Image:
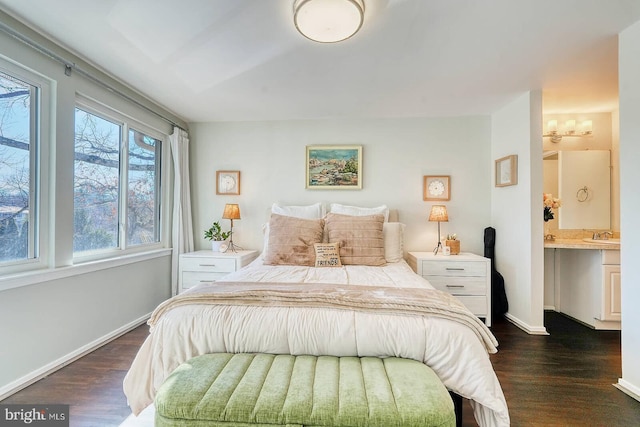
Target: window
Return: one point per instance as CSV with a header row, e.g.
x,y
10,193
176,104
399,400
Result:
x,y
19,109
142,193
116,183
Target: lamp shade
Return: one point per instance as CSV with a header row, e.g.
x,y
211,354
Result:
x,y
438,213
328,21
231,211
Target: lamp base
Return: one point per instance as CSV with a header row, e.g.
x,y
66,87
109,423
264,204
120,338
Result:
x,y
438,248
233,247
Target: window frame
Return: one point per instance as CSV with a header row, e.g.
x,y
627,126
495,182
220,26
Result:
x,y
127,122
41,112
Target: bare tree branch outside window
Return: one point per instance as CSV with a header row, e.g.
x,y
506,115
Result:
x,y
15,181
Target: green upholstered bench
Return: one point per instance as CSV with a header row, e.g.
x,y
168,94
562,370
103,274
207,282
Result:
x,y
223,389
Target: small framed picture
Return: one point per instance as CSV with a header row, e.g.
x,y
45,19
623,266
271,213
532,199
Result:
x,y
507,171
436,187
228,182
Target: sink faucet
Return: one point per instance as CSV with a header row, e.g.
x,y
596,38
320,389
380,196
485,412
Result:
x,y
602,236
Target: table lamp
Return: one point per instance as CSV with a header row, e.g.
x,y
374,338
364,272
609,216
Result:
x,y
438,213
231,212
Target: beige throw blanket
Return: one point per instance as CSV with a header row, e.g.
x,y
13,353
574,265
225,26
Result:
x,y
381,300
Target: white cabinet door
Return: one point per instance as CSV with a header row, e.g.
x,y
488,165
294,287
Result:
x,y
611,293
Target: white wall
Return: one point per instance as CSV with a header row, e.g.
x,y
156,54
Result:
x,y
615,171
629,84
517,211
69,309
46,324
396,155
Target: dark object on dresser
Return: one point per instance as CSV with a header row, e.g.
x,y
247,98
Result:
x,y
499,303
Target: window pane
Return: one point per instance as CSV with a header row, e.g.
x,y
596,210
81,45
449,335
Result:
x,y
96,182
142,191
17,98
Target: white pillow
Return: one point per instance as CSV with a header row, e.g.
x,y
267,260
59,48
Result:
x,y
358,211
393,234
265,238
315,211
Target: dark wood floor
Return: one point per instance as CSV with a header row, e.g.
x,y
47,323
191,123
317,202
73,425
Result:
x,y
564,379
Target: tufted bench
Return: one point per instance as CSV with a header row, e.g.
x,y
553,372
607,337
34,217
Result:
x,y
224,389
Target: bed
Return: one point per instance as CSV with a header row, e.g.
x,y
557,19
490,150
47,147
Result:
x,y
370,304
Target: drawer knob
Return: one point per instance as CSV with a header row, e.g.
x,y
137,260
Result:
x,y
455,269
207,265
455,286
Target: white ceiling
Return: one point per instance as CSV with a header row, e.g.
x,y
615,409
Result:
x,y
212,60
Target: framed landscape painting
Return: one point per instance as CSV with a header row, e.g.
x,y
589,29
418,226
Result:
x,y
334,167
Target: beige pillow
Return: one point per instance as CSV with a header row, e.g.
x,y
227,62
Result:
x,y
360,238
327,255
291,240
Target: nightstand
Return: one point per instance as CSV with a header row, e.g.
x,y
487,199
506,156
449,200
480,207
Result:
x,y
208,266
466,275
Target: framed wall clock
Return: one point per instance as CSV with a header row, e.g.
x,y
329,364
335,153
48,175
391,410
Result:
x,y
436,187
228,182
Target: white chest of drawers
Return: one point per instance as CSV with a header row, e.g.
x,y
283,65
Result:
x,y
467,276
208,266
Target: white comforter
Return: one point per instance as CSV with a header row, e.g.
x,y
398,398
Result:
x,y
451,349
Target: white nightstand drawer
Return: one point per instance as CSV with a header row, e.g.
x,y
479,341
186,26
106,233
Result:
x,y
459,285
454,268
192,278
208,264
467,276
476,305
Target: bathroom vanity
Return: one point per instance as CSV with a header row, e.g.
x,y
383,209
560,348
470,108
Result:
x,y
582,280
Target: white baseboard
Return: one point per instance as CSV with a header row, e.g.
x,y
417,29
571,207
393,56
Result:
x,y
531,330
628,388
34,376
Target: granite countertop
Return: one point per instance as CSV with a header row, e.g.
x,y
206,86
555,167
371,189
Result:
x,y
579,244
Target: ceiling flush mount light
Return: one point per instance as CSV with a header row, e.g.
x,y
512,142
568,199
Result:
x,y
328,21
569,129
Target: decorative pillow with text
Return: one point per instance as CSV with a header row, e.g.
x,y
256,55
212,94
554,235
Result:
x,y
327,255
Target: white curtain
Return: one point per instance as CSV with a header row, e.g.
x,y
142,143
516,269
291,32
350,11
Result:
x,y
182,229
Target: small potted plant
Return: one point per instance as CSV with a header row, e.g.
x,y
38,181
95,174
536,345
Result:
x,y
453,243
216,235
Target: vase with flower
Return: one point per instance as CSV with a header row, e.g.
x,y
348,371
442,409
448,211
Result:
x,y
549,203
